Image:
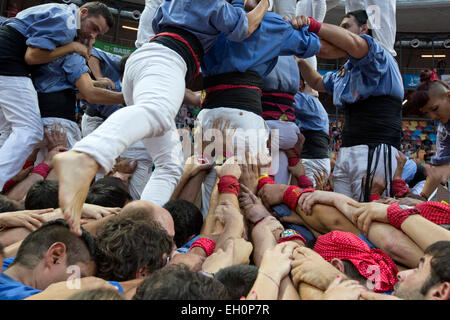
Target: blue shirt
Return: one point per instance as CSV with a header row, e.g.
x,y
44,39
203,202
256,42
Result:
x,y
259,52
60,74
47,26
284,76
11,289
376,74
109,66
205,19
310,113
409,170
185,248
442,145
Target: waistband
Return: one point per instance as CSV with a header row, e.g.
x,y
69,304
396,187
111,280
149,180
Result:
x,y
375,120
316,144
60,104
238,90
185,44
278,105
12,53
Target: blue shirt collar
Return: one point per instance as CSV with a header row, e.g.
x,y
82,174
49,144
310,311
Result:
x,y
238,3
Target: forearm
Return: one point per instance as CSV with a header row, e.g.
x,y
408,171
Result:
x,y
19,191
190,98
11,250
12,235
330,51
94,65
429,187
181,185
193,187
309,292
103,96
210,221
351,43
255,16
266,285
234,229
311,76
287,290
35,55
94,225
424,232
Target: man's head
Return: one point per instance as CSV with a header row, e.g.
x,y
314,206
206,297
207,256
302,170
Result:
x,y
147,211
356,22
250,4
131,249
178,282
431,279
43,194
187,218
8,205
52,253
431,98
238,279
108,192
96,19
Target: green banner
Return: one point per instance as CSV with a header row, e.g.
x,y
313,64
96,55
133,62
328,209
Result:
x,y
113,48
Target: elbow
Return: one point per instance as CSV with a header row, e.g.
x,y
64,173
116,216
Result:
x,y
30,59
89,96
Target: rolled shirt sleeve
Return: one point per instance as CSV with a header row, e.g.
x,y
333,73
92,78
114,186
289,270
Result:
x,y
74,66
230,20
301,43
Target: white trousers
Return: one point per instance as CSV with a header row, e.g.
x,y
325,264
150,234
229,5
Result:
x,y
251,136
287,138
136,152
285,8
153,88
351,168
316,166
382,19
21,127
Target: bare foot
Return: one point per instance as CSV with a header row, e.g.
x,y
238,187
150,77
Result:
x,y
75,171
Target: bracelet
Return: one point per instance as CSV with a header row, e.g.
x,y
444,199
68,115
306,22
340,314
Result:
x,y
292,194
290,235
314,25
265,180
206,244
304,181
396,215
263,176
258,221
41,169
271,278
228,184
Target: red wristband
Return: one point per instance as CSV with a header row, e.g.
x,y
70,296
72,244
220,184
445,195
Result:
x,y
8,185
28,164
41,169
228,184
314,25
292,162
266,180
206,244
400,187
396,215
304,181
291,195
374,196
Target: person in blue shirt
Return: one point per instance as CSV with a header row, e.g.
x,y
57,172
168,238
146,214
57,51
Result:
x,y
47,256
369,89
154,85
37,35
432,98
312,119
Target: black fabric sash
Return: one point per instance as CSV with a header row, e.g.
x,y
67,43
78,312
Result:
x,y
316,144
61,104
12,53
375,120
238,90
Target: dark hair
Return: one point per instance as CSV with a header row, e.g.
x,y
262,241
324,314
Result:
x,y
108,192
122,64
7,205
125,245
178,282
361,18
1,250
188,220
96,8
238,279
36,244
440,265
43,194
97,294
352,272
420,97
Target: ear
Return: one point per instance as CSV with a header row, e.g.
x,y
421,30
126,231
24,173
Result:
x,y
337,263
142,273
440,292
56,254
84,12
364,29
